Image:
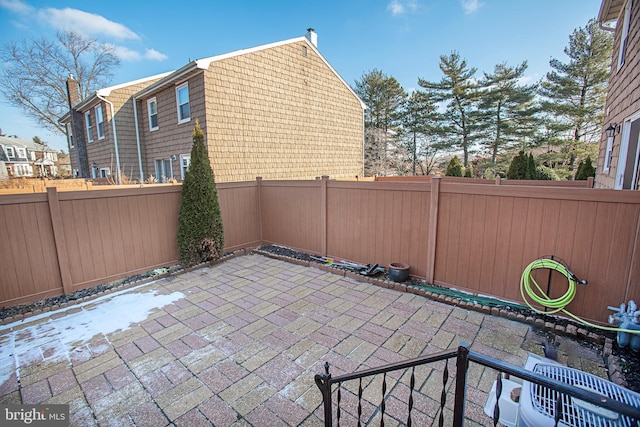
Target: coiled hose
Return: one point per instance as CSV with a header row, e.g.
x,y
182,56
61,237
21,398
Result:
x,y
557,305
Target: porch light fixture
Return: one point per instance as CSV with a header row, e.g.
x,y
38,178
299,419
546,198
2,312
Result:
x,y
612,130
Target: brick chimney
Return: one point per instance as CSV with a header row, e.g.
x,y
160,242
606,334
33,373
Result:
x,y
73,91
312,37
77,126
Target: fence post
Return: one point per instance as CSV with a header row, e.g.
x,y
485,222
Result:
x,y
462,364
590,182
323,381
498,180
433,228
58,237
323,214
259,206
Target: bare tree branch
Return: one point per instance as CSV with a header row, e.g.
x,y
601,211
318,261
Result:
x,y
35,73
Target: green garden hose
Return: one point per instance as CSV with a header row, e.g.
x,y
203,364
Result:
x,y
537,295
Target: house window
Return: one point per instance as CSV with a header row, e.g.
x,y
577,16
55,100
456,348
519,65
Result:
x,y
22,153
163,170
70,134
87,120
182,99
105,172
185,162
152,107
625,33
10,152
100,122
607,155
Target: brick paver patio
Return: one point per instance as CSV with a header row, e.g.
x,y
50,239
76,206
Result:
x,y
239,343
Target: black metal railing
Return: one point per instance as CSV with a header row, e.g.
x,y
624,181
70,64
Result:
x,y
463,356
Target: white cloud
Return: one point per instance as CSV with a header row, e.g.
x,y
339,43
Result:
x,y
86,23
471,6
154,55
16,6
126,54
400,7
527,80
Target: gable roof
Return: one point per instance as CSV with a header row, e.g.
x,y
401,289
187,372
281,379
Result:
x,y
203,64
25,143
104,92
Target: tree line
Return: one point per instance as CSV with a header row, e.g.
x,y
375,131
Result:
x,y
487,118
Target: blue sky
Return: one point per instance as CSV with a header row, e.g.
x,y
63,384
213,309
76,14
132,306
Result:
x,y
403,38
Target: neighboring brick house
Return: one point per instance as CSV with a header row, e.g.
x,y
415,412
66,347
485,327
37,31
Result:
x,y
24,158
279,111
619,154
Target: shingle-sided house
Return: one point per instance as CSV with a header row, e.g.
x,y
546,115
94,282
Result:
x,y
279,111
101,132
619,157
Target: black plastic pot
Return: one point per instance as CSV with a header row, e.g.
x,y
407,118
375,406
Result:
x,y
398,272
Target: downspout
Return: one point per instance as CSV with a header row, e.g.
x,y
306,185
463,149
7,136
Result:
x,y
115,135
135,117
363,142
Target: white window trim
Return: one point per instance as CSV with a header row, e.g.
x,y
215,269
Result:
x,y
22,152
183,85
624,36
183,170
89,126
11,152
106,172
99,121
70,135
607,155
149,102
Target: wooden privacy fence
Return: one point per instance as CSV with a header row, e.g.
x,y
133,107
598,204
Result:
x,y
477,238
55,243
587,183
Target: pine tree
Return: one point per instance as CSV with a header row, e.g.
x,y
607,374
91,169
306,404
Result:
x,y
200,232
458,90
384,98
419,119
532,171
585,169
574,92
507,109
519,167
454,168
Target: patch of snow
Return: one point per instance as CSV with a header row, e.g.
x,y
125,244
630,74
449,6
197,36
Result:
x,y
48,339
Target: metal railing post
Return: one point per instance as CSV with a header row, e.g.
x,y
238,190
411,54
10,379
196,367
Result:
x,y
462,363
324,384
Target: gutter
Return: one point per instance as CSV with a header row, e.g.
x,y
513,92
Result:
x,y
115,135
